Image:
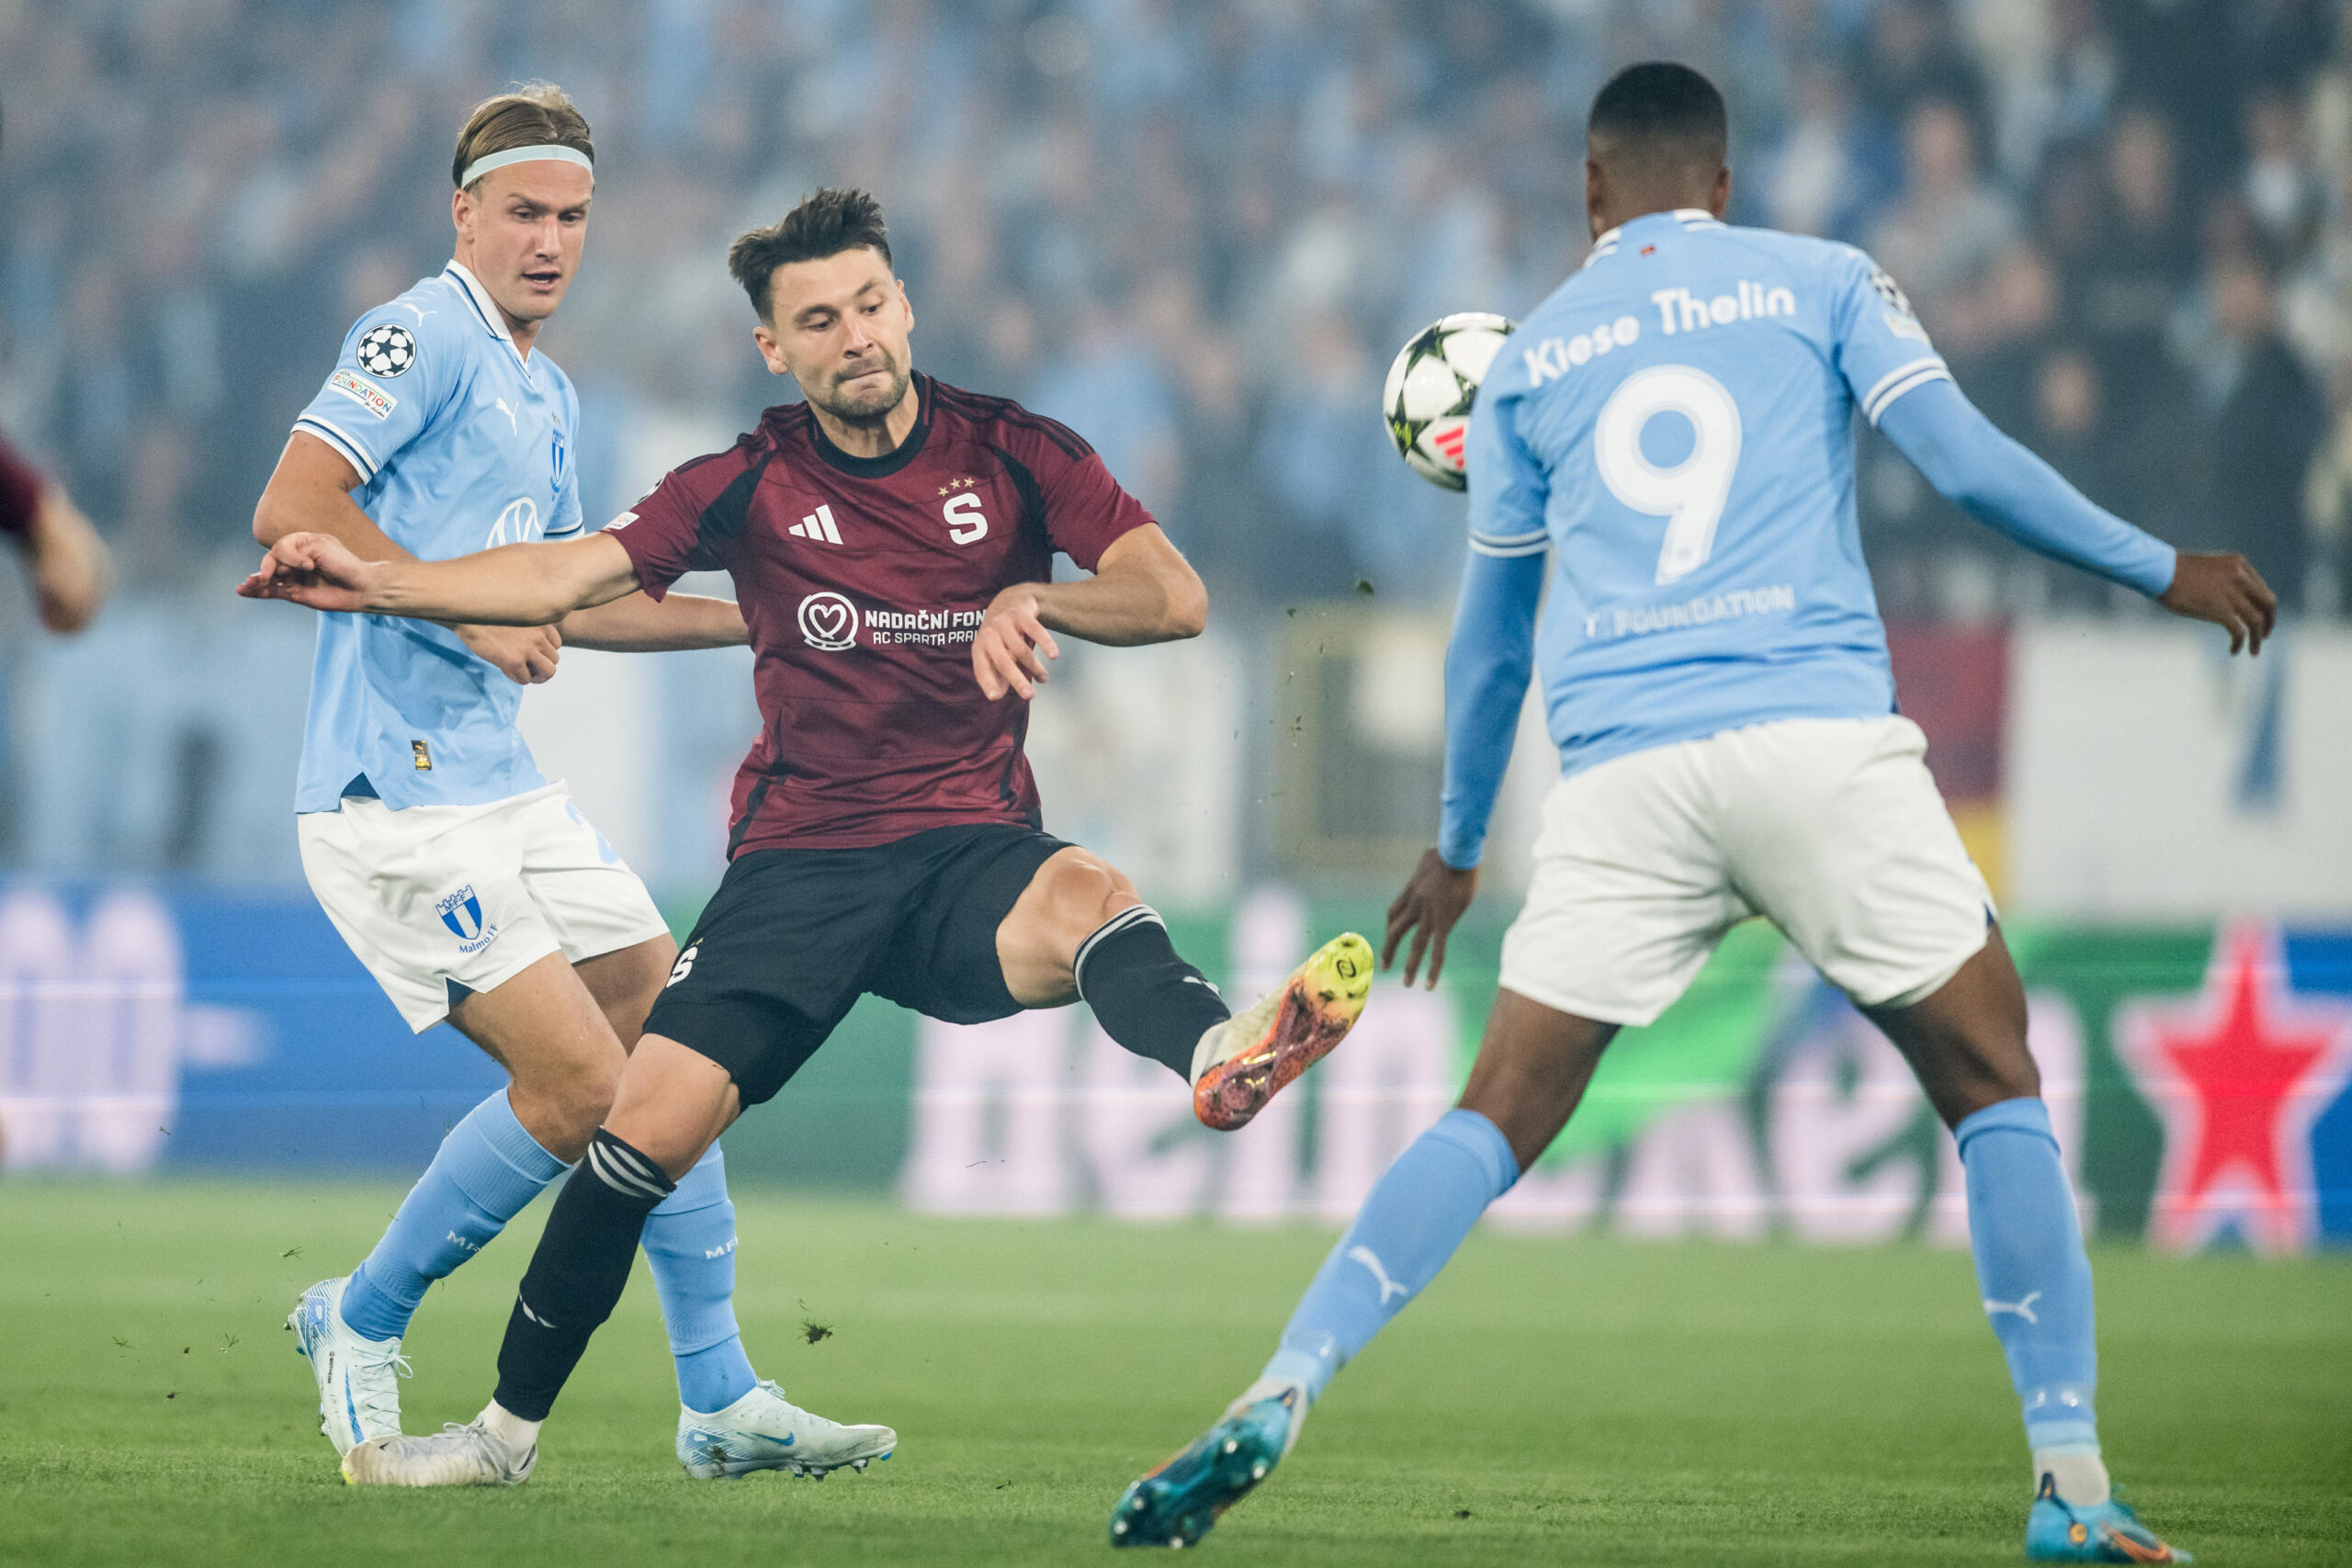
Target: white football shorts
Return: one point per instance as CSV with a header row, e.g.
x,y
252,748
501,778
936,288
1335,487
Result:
x,y
1830,828
471,895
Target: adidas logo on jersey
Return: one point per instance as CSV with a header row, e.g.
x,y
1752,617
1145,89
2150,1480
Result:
x,y
817,525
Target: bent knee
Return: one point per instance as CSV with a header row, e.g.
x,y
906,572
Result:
x,y
1083,892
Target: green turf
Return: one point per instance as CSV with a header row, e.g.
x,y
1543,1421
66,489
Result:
x,y
1568,1401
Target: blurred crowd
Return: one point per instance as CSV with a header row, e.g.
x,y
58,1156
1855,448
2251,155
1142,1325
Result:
x,y
1196,230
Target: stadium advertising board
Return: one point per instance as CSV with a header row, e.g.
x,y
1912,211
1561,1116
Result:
x,y
2200,1078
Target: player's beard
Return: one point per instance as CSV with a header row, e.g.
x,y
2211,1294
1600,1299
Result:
x,y
865,409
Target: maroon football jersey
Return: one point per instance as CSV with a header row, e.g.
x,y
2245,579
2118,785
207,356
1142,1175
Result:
x,y
863,581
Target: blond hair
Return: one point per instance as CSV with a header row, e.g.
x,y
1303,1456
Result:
x,y
532,114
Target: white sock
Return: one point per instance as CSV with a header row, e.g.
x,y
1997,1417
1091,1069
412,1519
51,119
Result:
x,y
519,1435
1202,1060
2076,1470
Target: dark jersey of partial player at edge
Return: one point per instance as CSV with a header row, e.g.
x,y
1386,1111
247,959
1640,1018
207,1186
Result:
x,y
863,581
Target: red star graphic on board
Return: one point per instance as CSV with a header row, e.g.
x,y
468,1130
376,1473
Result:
x,y
2238,1076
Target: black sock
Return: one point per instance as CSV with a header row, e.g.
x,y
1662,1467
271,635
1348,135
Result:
x,y
578,1273
1145,997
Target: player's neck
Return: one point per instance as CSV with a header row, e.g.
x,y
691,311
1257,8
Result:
x,y
877,437
1616,215
524,333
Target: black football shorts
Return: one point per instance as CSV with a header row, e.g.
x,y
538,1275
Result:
x,y
793,937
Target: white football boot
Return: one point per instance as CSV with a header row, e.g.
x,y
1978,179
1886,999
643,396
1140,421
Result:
x,y
359,1395
471,1455
764,1431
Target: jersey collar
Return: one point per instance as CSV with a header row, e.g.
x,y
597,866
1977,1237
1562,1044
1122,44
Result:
x,y
487,309
890,462
1688,217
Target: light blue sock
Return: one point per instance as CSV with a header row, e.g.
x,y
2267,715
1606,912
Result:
x,y
484,1173
2032,1272
690,1242
1410,1225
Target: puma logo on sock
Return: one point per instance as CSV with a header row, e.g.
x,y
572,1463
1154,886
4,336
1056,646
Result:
x,y
1370,1260
2024,1309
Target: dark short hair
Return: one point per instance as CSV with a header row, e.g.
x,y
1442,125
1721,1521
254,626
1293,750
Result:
x,y
1661,112
825,224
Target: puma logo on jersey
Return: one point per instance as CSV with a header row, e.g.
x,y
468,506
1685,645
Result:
x,y
817,525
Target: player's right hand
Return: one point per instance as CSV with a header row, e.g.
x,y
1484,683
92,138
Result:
x,y
524,655
314,569
1432,901
2225,590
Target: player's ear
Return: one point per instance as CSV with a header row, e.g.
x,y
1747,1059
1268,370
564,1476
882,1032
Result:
x,y
764,339
1720,203
906,304
1596,195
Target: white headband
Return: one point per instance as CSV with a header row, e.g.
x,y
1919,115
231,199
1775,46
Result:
x,y
484,165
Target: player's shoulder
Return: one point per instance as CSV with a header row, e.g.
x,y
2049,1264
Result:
x,y
431,322
1003,423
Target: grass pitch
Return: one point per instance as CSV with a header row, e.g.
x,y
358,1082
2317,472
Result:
x,y
1553,1401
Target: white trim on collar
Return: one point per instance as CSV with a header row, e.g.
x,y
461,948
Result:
x,y
487,309
1680,215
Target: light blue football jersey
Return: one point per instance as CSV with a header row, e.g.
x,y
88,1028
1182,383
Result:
x,y
1675,424
462,443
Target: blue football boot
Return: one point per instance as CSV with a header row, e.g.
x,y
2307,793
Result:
x,y
2057,1531
1176,1503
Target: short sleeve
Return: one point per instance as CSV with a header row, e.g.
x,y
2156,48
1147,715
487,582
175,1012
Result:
x,y
1508,488
1086,511
1883,351
664,533
398,366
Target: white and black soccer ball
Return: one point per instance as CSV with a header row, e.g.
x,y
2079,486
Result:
x,y
1431,387
386,350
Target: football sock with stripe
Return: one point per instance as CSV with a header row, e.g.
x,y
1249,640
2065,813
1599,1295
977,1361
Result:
x,y
578,1273
1415,1218
690,1242
485,1172
1143,996
2036,1284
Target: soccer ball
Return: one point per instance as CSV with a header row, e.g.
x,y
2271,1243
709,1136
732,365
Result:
x,y
1431,387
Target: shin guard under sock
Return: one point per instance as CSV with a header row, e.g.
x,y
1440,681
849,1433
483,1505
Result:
x,y
578,1273
1145,997
690,1242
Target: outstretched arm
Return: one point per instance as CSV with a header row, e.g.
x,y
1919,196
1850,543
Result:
x,y
1142,591
310,492
635,623
535,584
1487,662
2003,486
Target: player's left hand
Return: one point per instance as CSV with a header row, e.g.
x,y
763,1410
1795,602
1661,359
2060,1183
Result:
x,y
315,569
1010,650
1432,901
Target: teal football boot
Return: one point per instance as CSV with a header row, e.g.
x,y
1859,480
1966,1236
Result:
x,y
1176,1503
2056,1531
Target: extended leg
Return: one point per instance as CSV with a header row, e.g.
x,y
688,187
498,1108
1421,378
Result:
x,y
690,1236
1078,930
1532,1070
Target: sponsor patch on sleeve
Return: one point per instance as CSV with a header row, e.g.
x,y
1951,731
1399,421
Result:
x,y
363,392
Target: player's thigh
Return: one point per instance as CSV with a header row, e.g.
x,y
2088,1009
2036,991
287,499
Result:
x,y
431,900
776,959
545,1030
1629,894
1838,832
948,959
